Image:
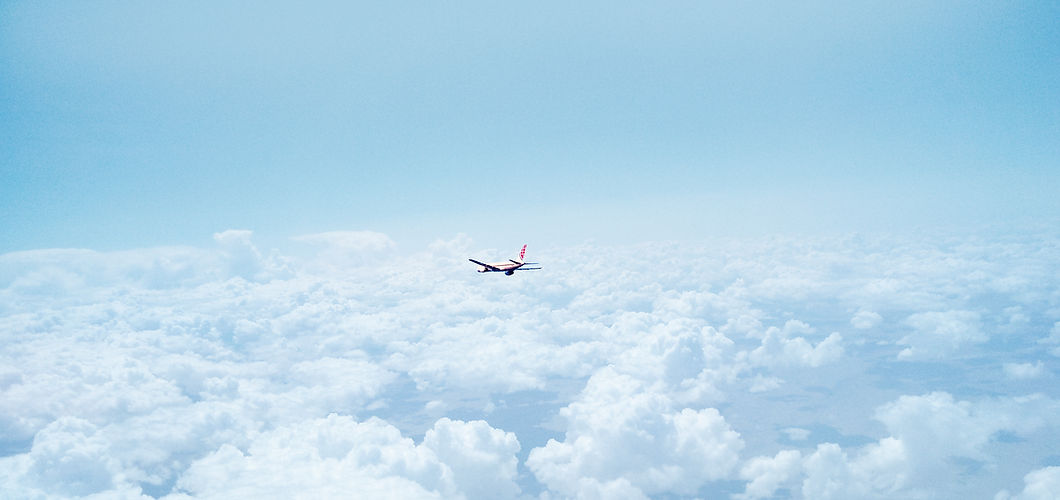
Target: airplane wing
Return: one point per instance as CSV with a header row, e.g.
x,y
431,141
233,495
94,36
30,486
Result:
x,y
487,266
526,269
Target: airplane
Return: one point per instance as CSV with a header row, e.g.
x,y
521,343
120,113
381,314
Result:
x,y
509,268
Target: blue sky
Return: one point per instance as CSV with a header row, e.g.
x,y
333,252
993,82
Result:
x,y
139,125
788,251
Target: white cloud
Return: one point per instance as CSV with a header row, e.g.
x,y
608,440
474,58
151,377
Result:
x,y
243,259
338,457
620,429
937,425
879,471
69,458
482,458
1024,371
780,349
335,457
936,334
1040,484
916,460
766,474
169,371
796,433
864,320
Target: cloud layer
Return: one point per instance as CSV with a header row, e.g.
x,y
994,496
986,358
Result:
x,y
810,368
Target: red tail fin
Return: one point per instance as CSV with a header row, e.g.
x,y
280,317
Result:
x,y
522,253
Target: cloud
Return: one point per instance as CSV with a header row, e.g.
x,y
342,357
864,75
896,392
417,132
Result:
x,y
83,274
927,433
864,320
338,457
766,474
763,384
1040,484
60,273
936,424
661,369
1024,371
69,458
1053,339
240,254
482,458
797,434
778,349
324,458
878,472
618,428
936,334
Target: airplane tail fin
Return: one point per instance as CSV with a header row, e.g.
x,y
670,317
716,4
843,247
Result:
x,y
522,253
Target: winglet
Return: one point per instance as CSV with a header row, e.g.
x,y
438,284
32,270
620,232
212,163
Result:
x,y
522,253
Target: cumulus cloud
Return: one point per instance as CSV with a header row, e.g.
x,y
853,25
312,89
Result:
x,y
482,458
661,369
877,472
937,424
926,434
864,320
780,349
69,458
1040,484
338,457
936,334
619,429
334,457
765,474
240,254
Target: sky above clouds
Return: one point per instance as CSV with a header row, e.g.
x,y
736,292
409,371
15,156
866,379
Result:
x,y
130,125
803,251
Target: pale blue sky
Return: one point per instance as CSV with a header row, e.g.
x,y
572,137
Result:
x,y
128,124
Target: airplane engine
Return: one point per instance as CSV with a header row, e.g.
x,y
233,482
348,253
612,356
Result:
x,y
509,273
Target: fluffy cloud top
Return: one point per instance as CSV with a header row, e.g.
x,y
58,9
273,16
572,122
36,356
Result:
x,y
621,431
338,457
